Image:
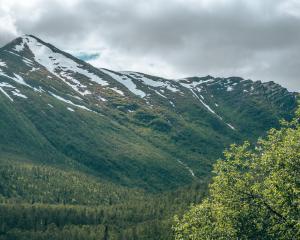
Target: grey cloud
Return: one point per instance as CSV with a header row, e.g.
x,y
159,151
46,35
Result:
x,y
253,39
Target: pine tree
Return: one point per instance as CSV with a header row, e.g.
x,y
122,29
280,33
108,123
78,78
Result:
x,y
106,236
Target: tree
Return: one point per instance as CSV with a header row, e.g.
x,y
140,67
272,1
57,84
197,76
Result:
x,y
255,193
105,237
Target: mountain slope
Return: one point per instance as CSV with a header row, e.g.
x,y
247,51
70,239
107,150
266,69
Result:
x,y
89,153
126,127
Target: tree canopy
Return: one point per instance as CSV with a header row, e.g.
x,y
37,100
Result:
x,y
255,193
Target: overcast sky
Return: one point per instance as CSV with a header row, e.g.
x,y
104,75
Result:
x,y
257,39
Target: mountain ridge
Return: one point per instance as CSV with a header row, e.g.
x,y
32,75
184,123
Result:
x,y
165,114
88,153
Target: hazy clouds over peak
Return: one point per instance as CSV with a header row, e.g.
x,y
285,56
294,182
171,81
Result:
x,y
173,38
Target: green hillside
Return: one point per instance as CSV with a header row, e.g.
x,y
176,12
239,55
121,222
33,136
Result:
x,y
93,152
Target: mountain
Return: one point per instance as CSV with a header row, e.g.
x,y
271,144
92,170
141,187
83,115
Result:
x,y
75,134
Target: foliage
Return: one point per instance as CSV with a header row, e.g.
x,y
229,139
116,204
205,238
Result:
x,y
255,193
120,171
43,202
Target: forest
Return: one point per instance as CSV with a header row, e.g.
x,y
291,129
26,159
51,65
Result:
x,y
45,203
254,194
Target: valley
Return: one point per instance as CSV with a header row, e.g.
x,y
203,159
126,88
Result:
x,y
103,154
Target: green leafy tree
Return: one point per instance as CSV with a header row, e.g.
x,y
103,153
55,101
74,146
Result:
x,y
255,193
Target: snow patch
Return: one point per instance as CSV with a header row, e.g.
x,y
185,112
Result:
x,y
209,108
184,82
187,167
14,91
229,125
20,80
157,92
101,99
172,104
18,94
61,66
27,61
34,69
6,94
229,89
19,47
126,81
2,64
70,102
118,91
17,78
152,83
76,97
4,84
205,105
40,89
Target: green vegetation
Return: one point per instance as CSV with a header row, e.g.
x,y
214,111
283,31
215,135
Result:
x,y
42,202
255,193
106,165
128,140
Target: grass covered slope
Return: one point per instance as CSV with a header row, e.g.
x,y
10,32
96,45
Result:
x,y
129,128
255,193
93,153
89,141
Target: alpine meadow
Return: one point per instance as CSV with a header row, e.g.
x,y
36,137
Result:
x,y
178,142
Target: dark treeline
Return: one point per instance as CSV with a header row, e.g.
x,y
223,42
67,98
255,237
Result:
x,y
39,221
40,202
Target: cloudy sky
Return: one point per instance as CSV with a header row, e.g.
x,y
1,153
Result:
x,y
257,39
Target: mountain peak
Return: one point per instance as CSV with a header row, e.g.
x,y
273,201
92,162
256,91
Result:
x,y
27,44
30,58
64,96
24,36
28,40
19,41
